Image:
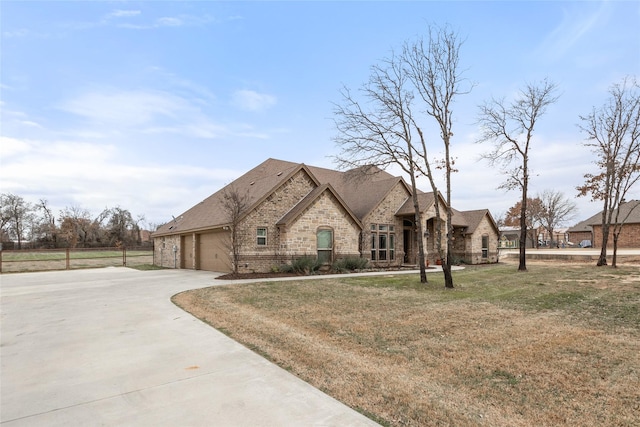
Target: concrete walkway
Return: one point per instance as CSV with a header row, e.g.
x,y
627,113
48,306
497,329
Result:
x,y
107,347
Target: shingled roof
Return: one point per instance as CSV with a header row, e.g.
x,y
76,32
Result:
x,y
629,213
354,188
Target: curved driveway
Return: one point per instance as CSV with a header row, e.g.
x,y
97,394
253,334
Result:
x,y
107,347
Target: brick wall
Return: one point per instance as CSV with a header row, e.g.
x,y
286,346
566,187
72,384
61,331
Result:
x,y
629,236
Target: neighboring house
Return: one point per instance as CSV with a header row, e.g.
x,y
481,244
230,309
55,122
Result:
x,y
294,210
579,232
629,217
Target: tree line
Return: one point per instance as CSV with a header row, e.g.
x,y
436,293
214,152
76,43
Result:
x,y
404,113
35,226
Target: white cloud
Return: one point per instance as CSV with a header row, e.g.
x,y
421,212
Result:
x,y
169,22
124,108
252,101
95,176
123,13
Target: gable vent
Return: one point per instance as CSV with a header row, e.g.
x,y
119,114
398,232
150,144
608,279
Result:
x,y
279,173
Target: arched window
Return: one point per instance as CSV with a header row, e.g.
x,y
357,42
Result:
x,y
325,245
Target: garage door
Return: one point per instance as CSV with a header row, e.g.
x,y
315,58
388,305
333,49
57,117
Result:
x,y
213,252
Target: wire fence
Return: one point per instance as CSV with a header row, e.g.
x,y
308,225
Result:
x,y
14,261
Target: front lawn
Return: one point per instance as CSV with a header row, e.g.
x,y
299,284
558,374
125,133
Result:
x,y
557,345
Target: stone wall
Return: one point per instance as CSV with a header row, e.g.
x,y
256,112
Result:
x,y
385,213
255,257
326,212
163,253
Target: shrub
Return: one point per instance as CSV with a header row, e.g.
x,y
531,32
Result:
x,y
350,264
304,265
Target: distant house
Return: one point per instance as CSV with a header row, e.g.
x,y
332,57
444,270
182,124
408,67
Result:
x,y
591,228
293,210
580,232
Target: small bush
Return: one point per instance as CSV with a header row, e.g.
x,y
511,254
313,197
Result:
x,y
350,264
304,265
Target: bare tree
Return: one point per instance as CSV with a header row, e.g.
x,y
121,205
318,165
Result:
x,y
381,135
44,228
234,205
510,128
613,134
556,209
435,72
17,215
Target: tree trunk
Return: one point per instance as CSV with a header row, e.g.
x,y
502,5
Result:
x,y
418,224
523,238
602,260
421,257
615,250
446,269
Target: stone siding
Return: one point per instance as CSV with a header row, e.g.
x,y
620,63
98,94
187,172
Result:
x,y
163,254
267,214
385,213
326,212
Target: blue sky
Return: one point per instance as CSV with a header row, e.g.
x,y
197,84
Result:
x,y
153,106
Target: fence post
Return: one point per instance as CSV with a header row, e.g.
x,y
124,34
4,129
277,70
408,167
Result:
x,y
124,256
0,259
68,262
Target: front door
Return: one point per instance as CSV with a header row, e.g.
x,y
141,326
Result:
x,y
407,246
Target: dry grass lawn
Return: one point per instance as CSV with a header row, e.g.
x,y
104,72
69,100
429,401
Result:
x,y
558,345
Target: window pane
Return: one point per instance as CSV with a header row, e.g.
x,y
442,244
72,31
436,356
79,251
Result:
x,y
373,227
383,241
325,239
262,231
392,247
391,228
382,228
373,240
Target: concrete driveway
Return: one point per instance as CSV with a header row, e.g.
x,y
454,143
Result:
x,y
107,347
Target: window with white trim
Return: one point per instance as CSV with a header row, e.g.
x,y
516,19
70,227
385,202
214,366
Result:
x,y
261,236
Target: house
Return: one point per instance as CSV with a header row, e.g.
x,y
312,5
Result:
x,y
290,210
581,231
591,228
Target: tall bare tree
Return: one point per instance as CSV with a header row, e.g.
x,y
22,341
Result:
x,y
234,205
613,134
434,69
556,209
510,127
382,133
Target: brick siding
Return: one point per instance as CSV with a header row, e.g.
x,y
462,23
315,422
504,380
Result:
x,y
629,236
